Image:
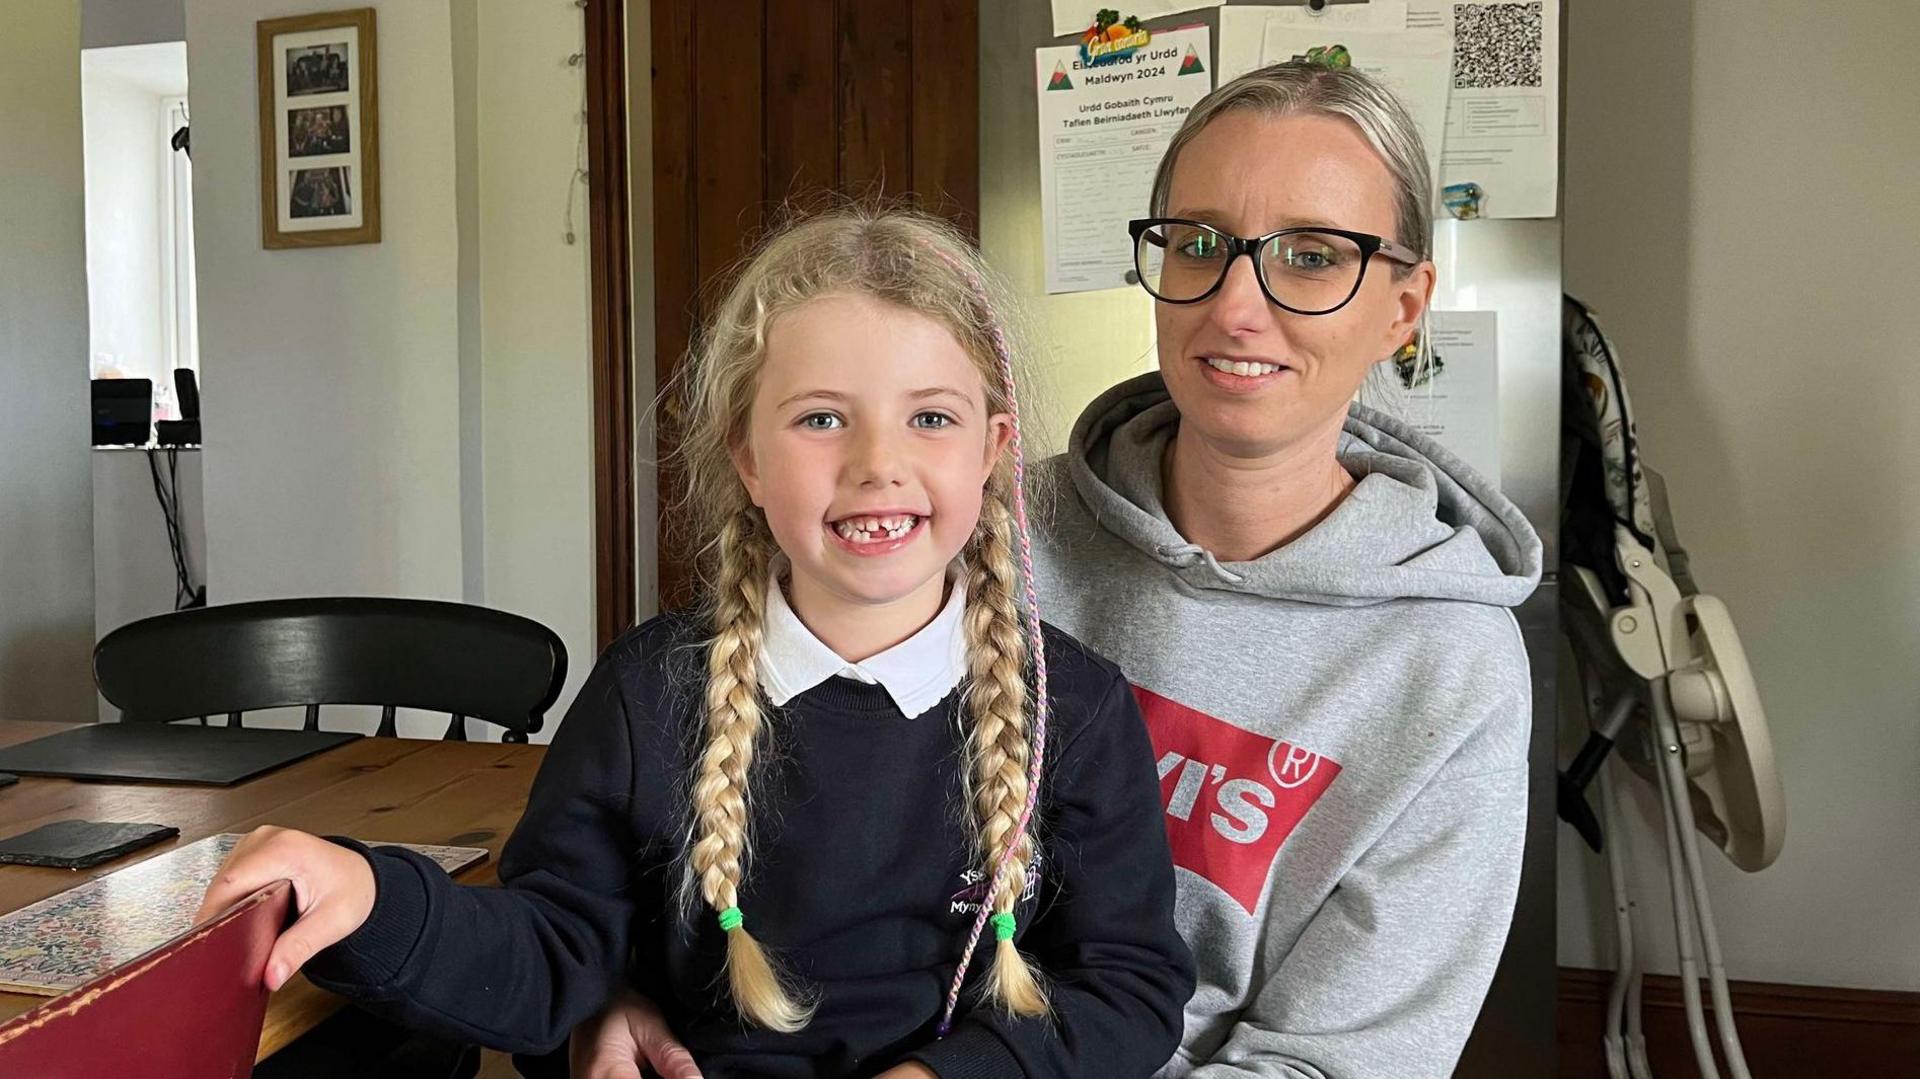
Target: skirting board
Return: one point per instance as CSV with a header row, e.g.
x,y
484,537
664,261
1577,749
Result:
x,y
1797,1031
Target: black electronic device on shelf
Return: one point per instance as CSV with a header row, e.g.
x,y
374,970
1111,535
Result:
x,y
122,411
184,431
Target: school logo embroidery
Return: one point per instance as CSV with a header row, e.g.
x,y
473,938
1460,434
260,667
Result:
x,y
1232,796
973,887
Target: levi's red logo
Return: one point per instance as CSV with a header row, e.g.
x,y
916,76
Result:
x,y
1232,796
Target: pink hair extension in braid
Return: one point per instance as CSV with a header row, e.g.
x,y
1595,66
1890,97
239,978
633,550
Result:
x,y
1037,643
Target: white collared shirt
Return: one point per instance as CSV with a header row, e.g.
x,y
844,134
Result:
x,y
917,673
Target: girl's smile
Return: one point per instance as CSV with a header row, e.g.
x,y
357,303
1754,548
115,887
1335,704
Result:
x,y
878,532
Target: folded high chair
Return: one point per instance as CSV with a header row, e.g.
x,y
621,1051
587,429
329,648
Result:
x,y
1663,679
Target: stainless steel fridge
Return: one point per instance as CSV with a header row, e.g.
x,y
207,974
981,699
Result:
x,y
1094,339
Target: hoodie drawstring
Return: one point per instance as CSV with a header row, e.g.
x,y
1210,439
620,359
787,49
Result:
x,y
1182,555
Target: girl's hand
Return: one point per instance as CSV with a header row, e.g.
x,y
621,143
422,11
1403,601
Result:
x,y
909,1071
613,1044
332,888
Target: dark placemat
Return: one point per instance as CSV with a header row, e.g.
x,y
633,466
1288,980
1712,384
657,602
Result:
x,y
166,752
77,844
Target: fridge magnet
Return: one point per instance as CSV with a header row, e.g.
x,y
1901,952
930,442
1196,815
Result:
x,y
1462,200
1111,39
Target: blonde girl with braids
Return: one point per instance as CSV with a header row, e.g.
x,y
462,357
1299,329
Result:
x,y
791,815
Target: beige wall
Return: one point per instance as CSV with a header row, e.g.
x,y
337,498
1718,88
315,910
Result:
x,y
46,487
1742,212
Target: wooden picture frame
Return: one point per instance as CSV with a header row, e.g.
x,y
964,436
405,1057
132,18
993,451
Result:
x,y
319,130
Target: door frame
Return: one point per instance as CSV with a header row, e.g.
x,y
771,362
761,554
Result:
x,y
611,295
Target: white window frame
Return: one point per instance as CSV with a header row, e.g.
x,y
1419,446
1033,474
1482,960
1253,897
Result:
x,y
179,306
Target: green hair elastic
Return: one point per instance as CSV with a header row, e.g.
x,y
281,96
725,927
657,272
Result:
x,y
731,919
1002,926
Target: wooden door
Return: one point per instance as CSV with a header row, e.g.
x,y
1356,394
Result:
x,y
759,102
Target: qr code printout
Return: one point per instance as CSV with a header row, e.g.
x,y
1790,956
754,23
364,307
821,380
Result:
x,y
1496,45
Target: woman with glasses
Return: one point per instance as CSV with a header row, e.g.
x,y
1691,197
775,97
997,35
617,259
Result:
x,y
1311,599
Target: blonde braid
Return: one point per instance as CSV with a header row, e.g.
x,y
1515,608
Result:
x,y
733,722
998,744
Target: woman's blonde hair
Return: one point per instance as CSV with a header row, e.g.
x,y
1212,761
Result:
x,y
919,264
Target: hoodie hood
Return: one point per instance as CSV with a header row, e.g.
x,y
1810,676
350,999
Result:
x,y
1419,523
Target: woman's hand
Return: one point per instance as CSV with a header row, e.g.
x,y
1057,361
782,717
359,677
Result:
x,y
909,1071
613,1044
332,888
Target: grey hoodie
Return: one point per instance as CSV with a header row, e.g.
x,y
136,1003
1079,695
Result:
x,y
1341,727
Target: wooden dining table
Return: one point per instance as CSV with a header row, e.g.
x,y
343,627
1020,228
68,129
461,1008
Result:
x,y
397,790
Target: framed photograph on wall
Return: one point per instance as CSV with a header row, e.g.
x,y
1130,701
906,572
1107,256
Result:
x,y
319,130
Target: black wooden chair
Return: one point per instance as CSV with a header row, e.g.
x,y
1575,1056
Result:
x,y
466,661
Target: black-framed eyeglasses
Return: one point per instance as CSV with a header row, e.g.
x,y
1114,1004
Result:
x,y
1309,271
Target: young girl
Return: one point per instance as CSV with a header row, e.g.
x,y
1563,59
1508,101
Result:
x,y
789,817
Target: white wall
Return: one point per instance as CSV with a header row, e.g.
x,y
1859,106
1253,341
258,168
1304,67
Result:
x,y
536,378
412,417
1742,214
131,22
331,404
46,507
133,575
465,15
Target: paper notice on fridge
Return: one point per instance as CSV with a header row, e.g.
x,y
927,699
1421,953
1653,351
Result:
x,y
1102,131
1243,27
1503,120
1456,399
1503,113
1414,64
1078,16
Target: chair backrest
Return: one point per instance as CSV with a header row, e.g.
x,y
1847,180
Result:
x,y
456,658
192,1007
